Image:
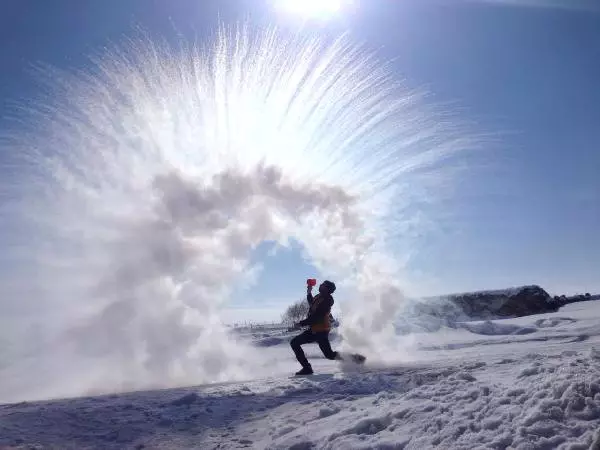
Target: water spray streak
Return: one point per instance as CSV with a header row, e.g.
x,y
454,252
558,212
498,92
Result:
x,y
144,183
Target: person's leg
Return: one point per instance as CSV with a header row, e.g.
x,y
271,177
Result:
x,y
305,338
325,346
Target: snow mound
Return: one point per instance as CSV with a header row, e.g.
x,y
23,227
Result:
x,y
490,328
552,322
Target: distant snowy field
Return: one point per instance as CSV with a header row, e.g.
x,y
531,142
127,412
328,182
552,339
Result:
x,y
527,383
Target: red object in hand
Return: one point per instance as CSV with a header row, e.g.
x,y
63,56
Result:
x,y
311,282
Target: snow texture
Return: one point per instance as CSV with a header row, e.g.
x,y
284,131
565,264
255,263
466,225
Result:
x,y
513,389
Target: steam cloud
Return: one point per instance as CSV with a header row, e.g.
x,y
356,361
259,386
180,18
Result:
x,y
141,186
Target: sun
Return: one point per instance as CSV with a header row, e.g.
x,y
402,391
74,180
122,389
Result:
x,y
312,8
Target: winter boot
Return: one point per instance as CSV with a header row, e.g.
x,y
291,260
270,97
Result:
x,y
305,371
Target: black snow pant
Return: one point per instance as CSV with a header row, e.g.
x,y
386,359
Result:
x,y
308,337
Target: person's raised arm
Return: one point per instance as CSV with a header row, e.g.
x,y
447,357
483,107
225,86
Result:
x,y
309,296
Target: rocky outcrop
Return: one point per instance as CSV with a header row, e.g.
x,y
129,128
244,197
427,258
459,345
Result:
x,y
427,315
514,302
564,300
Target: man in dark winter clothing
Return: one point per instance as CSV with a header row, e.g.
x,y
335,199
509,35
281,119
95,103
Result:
x,y
319,320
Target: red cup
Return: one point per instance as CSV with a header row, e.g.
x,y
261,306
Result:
x,y
311,282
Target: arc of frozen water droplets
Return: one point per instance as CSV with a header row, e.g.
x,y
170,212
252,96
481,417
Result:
x,y
152,177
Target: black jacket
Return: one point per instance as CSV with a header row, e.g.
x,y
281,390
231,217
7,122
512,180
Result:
x,y
322,311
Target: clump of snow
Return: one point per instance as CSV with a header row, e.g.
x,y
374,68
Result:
x,y
186,400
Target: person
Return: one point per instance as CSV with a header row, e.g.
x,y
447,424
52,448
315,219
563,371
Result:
x,y
319,320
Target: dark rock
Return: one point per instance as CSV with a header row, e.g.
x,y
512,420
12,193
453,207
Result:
x,y
514,302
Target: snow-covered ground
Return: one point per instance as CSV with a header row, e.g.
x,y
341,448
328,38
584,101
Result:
x,y
527,383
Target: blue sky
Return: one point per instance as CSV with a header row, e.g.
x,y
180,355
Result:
x,y
528,75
